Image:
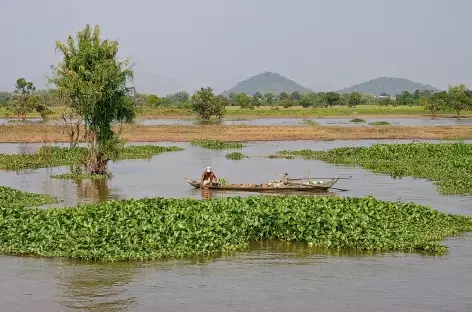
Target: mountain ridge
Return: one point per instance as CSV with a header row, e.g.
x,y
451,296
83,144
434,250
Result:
x,y
389,85
266,82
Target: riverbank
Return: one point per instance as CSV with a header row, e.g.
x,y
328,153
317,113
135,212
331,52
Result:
x,y
177,133
235,112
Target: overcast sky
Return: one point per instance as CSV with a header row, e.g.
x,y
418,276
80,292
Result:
x,y
186,44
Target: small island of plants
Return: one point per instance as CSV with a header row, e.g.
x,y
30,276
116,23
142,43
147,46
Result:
x,y
153,228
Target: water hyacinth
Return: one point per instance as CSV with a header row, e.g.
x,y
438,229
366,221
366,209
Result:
x,y
13,197
53,156
448,164
216,144
155,228
357,120
235,156
379,123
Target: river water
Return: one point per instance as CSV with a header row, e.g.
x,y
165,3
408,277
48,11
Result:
x,y
341,121
271,276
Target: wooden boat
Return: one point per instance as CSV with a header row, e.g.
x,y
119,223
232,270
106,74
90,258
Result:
x,y
292,187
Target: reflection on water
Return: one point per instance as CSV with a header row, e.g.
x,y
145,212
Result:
x,y
206,193
270,276
89,287
94,190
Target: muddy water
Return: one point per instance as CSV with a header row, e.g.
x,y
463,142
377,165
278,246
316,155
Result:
x,y
269,277
282,121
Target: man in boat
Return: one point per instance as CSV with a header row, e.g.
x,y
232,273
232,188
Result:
x,y
207,177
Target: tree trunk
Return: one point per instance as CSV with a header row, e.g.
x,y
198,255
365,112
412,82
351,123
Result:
x,y
97,161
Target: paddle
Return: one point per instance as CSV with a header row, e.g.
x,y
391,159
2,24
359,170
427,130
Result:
x,y
335,188
296,179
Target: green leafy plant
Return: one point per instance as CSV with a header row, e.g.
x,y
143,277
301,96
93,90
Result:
x,y
12,197
379,123
235,156
357,120
81,176
52,156
215,144
153,228
448,164
310,122
99,87
222,181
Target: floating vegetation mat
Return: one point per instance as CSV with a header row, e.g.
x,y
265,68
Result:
x,y
310,122
172,228
53,156
235,156
379,123
81,176
357,120
12,197
216,144
448,164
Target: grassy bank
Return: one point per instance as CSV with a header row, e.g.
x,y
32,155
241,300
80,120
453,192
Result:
x,y
241,133
449,165
167,228
52,156
235,112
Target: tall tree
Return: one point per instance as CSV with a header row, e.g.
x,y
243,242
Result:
x,y
24,99
269,98
405,98
231,99
206,104
243,100
4,98
435,103
152,100
309,99
98,86
355,99
257,99
283,96
332,98
178,98
458,97
295,96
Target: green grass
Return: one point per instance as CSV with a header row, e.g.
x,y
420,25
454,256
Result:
x,y
266,111
52,156
154,228
449,165
216,144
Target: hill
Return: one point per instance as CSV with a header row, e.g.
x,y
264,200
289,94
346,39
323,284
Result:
x,y
267,82
388,85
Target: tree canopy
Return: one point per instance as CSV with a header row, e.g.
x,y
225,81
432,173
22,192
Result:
x,y
98,86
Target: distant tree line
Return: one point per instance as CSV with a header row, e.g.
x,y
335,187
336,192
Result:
x,y
26,99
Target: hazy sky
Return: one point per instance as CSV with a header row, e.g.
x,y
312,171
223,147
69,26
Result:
x,y
186,44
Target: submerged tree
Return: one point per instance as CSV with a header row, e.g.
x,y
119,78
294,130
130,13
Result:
x,y
97,84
